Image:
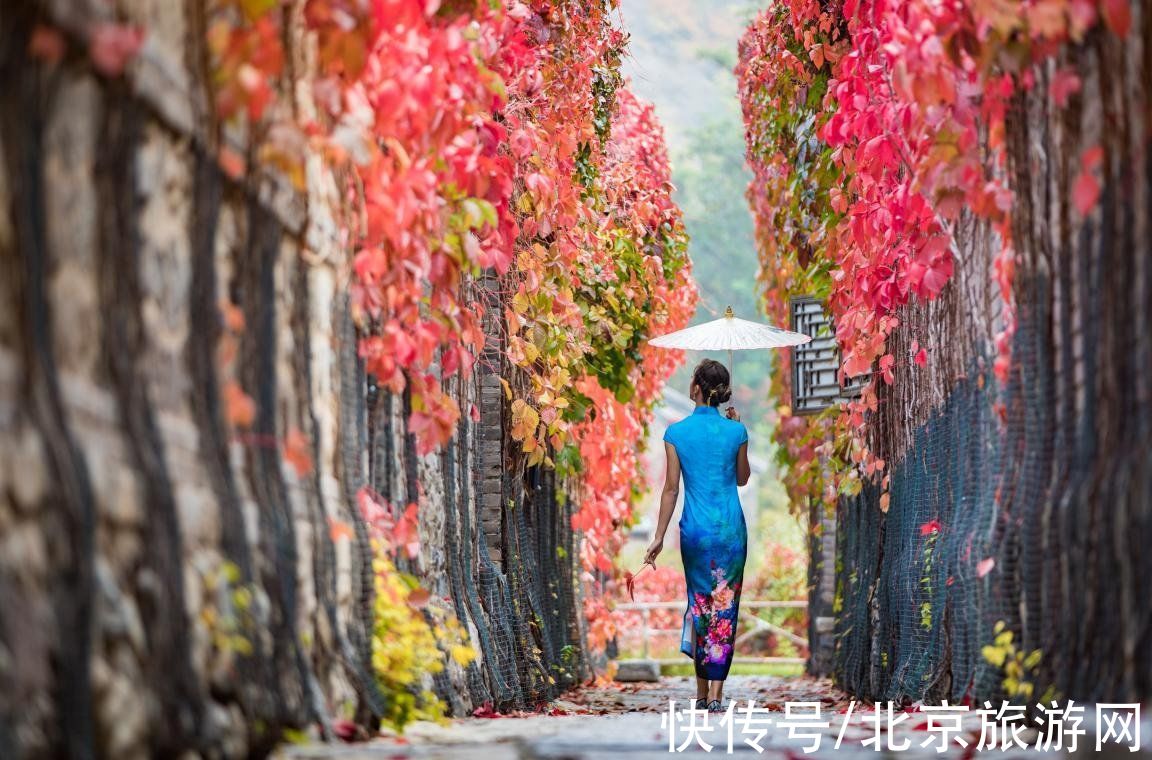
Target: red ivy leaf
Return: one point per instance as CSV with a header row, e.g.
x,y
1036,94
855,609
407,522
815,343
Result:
x,y
887,362
1118,16
1086,192
1091,158
112,46
345,730
1064,84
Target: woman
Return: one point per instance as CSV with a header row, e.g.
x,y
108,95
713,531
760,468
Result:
x,y
712,452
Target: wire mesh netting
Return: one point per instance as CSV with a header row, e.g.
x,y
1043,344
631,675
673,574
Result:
x,y
993,522
511,571
1011,560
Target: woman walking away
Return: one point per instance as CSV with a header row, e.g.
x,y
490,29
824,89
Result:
x,y
712,452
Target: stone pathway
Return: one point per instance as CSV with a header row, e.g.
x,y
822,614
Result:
x,y
631,720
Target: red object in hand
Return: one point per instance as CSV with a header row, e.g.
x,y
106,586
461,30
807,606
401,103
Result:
x,y
630,579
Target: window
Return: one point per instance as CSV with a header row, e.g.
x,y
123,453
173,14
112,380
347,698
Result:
x,y
815,365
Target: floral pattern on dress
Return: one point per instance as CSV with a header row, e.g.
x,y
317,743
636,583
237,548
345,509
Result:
x,y
715,619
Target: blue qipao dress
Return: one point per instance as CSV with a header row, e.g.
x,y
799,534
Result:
x,y
713,536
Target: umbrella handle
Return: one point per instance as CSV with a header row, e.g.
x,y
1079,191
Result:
x,y
731,368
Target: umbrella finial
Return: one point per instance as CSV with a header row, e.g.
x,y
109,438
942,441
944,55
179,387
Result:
x,y
729,313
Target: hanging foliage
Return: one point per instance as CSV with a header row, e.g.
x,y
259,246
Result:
x,y
872,126
482,136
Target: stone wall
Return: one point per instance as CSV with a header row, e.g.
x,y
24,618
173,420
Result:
x,y
169,582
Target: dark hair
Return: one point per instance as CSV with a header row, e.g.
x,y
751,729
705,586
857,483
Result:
x,y
711,377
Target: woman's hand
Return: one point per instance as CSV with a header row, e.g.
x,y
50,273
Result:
x,y
732,414
653,552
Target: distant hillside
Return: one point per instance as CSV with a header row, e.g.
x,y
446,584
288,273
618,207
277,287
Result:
x,y
682,54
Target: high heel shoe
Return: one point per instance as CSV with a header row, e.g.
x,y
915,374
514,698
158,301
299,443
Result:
x,y
701,703
715,707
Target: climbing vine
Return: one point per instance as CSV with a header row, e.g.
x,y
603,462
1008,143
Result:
x,y
872,127
467,138
637,285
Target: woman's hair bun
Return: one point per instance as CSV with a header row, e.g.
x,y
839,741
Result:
x,y
711,377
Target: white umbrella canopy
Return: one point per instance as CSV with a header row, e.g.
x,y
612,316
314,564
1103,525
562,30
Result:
x,y
730,333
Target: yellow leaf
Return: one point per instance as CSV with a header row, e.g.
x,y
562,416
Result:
x,y
525,420
536,457
993,655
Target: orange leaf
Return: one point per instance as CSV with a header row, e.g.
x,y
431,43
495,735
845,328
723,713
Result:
x,y
297,452
46,44
338,529
231,162
233,316
419,598
239,408
525,420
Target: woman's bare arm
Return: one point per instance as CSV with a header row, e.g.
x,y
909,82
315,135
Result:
x,y
668,498
743,469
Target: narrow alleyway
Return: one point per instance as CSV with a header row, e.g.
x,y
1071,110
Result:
x,y
338,391
631,720
588,723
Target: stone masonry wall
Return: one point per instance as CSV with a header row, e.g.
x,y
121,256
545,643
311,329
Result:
x,y
167,584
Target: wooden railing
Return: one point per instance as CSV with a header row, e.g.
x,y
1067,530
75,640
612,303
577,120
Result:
x,y
747,616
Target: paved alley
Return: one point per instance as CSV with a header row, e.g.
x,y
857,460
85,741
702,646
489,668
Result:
x,y
630,721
